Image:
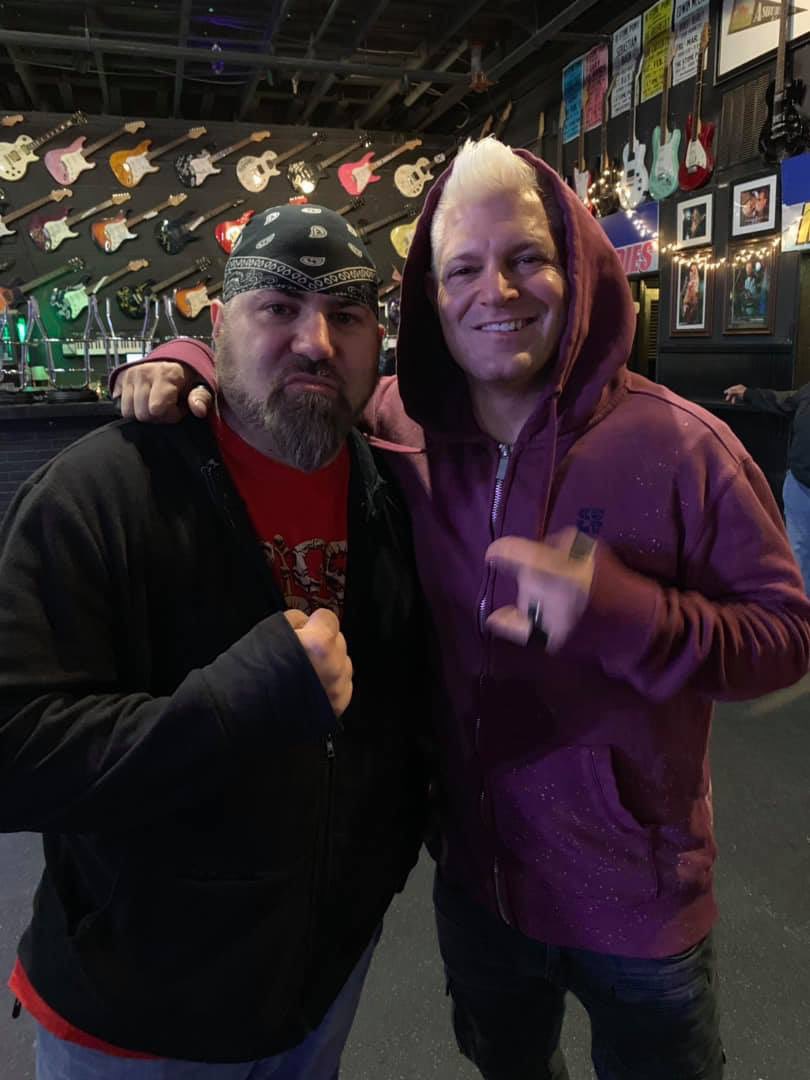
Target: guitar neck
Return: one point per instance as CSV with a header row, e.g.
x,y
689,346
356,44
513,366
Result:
x,y
340,154
88,150
375,225
779,78
108,279
161,285
16,214
665,104
697,98
131,222
161,150
74,219
213,213
220,154
291,153
35,145
378,164
36,282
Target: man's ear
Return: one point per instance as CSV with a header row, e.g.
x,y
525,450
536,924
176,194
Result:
x,y
217,310
432,289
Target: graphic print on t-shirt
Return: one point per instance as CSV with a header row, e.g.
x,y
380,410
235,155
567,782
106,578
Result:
x,y
311,575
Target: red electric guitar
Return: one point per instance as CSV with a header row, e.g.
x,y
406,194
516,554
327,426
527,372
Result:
x,y
698,161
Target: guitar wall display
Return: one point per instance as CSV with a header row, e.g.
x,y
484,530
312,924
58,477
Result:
x,y
582,174
194,169
410,180
355,176
190,302
48,231
17,156
13,296
786,131
698,159
173,236
665,143
304,176
603,192
131,166
71,300
15,215
254,173
635,180
67,163
132,299
110,233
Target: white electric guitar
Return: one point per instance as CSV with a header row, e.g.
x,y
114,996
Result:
x,y
254,173
17,156
194,169
582,174
634,182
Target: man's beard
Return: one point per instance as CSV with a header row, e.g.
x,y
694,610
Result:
x,y
304,429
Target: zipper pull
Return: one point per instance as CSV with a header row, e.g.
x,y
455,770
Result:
x,y
330,748
504,450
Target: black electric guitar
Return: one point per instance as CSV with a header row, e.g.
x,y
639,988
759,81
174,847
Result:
x,y
173,236
132,299
786,131
604,194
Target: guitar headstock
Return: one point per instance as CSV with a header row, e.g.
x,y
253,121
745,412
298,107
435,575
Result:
x,y
120,197
365,140
237,202
79,118
357,202
259,136
411,211
76,263
203,263
134,126
10,121
196,132
705,36
61,193
6,264
412,144
136,265
175,200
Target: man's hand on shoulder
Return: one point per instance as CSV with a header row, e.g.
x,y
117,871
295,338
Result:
x,y
161,392
735,393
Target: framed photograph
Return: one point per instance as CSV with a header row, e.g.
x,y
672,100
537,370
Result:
x,y
753,206
749,29
691,295
693,221
750,281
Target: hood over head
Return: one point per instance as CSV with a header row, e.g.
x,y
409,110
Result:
x,y
594,345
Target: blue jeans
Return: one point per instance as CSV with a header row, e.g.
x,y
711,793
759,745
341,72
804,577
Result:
x,y
316,1058
796,498
650,1019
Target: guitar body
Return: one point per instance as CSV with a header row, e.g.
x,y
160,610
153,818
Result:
x,y
132,299
48,231
664,171
10,298
788,133
304,177
131,166
355,176
410,180
70,302
110,233
402,238
582,181
228,232
190,302
16,157
635,180
173,236
66,163
254,173
604,197
698,160
194,169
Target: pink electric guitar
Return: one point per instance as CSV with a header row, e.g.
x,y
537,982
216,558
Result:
x,y
66,163
355,176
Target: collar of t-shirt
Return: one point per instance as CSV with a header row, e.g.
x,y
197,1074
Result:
x,y
300,519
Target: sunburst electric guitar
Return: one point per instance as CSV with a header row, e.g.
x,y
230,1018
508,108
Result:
x,y
131,166
110,233
190,302
48,231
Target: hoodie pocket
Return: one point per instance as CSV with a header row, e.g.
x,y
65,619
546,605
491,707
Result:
x,y
562,820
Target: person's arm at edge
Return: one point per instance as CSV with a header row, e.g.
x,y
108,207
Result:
x,y
157,387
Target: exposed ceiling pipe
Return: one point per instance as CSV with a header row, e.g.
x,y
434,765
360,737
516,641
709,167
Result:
x,y
180,64
316,37
448,61
495,67
25,77
464,13
267,43
152,50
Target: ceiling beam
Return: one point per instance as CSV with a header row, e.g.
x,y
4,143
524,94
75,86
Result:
x,y
276,20
180,64
25,77
495,66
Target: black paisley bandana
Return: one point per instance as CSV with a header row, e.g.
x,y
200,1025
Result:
x,y
303,249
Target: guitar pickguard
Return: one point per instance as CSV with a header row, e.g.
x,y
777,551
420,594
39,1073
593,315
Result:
x,y
115,234
136,168
56,232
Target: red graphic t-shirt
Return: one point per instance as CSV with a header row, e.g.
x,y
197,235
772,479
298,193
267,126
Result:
x,y
301,520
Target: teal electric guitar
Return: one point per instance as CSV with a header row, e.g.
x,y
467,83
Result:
x,y
665,145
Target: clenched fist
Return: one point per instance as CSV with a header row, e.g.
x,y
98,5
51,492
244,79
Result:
x,y
161,391
321,639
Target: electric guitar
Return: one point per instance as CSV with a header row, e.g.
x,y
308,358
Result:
x,y
786,131
15,215
410,180
13,296
132,298
48,231
355,176
603,191
110,233
254,173
67,163
558,165
698,160
194,169
16,157
304,176
400,238
190,302
173,236
503,120
582,174
228,232
538,139
635,180
665,144
69,302
131,166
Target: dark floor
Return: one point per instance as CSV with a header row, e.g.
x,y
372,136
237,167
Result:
x,y
761,753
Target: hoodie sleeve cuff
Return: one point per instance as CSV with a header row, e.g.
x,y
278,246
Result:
x,y
618,625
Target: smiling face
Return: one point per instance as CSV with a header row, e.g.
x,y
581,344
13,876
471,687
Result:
x,y
295,371
500,291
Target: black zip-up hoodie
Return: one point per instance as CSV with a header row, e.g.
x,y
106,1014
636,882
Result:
x,y
219,849
794,404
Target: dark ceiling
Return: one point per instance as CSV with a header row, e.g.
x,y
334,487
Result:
x,y
383,65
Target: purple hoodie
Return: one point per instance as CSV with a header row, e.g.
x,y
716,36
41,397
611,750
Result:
x,y
577,790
